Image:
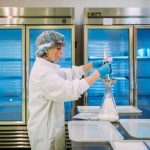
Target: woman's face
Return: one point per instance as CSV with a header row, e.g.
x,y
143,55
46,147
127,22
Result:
x,y
54,54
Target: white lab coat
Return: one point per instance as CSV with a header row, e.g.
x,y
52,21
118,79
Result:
x,y
49,87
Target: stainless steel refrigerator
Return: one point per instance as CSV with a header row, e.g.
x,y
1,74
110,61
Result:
x,y
19,28
125,34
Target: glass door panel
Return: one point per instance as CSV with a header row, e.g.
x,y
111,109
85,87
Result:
x,y
143,71
12,75
117,42
68,55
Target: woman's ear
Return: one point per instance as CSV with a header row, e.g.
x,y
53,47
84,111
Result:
x,y
46,53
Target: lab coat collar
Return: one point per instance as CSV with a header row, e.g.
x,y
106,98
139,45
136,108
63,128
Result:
x,y
47,62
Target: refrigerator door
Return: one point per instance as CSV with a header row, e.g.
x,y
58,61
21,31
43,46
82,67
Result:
x,y
68,56
12,73
142,71
117,40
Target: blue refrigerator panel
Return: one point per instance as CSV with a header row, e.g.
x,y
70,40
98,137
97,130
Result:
x,y
11,95
143,69
65,62
117,43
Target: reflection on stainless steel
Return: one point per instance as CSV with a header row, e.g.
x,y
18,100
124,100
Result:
x,y
118,12
118,15
15,135
14,15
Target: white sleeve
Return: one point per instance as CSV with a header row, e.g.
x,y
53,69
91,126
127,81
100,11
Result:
x,y
76,72
58,89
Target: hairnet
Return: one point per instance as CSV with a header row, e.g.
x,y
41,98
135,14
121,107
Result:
x,y
48,39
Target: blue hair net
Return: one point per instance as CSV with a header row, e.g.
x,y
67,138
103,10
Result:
x,y
46,40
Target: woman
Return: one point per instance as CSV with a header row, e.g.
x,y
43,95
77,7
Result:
x,y
50,86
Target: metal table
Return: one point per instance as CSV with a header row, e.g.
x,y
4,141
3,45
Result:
x,y
107,145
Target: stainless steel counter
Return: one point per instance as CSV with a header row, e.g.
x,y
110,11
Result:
x,y
106,145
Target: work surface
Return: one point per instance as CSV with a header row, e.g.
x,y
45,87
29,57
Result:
x,y
132,131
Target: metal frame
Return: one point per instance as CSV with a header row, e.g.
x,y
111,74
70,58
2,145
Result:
x,y
72,27
130,28
23,75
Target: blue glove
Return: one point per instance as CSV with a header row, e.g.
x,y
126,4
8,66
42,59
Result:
x,y
104,70
97,64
